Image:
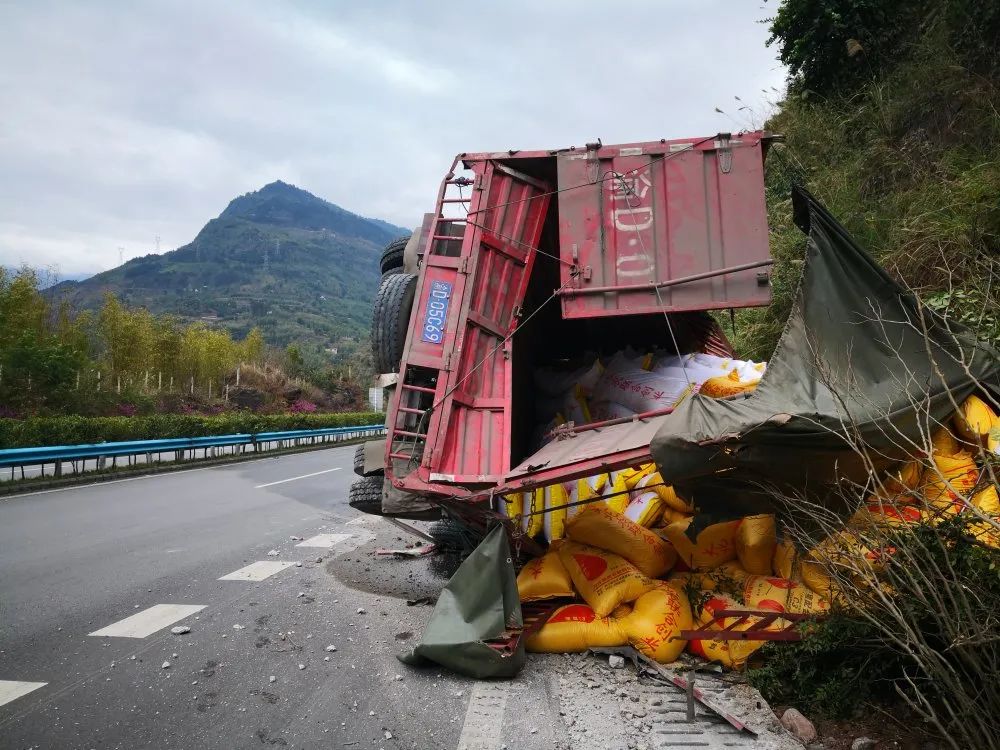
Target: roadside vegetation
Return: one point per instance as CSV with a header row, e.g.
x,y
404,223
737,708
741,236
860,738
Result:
x,y
892,120
127,362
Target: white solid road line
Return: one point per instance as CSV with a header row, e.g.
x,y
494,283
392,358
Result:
x,y
292,479
12,689
257,571
149,620
484,717
323,540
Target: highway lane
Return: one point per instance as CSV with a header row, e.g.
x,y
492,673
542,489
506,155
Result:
x,y
135,557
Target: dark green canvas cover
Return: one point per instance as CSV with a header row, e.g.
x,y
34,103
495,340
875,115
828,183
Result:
x,y
859,357
479,603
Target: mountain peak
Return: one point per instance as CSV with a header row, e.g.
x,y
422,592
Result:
x,y
281,204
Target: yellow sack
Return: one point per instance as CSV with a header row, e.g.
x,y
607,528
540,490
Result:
x,y
602,527
554,522
726,385
656,622
946,484
974,420
655,483
574,628
617,492
942,441
672,516
732,654
633,476
903,479
756,539
544,577
843,548
782,595
987,502
603,579
645,508
880,512
714,546
785,562
511,505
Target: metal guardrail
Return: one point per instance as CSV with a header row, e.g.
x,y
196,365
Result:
x,y
182,448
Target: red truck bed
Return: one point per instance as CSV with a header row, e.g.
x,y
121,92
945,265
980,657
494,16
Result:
x,y
536,255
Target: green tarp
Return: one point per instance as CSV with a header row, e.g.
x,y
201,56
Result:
x,y
479,603
859,358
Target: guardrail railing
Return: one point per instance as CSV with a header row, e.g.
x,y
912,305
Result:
x,y
182,448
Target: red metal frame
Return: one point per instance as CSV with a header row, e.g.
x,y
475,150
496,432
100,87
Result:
x,y
449,423
758,630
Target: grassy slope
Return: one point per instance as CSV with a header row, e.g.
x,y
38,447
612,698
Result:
x,y
911,165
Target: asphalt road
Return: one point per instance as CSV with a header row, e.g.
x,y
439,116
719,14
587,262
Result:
x,y
254,670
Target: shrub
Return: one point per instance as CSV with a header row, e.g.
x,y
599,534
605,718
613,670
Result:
x,y
73,430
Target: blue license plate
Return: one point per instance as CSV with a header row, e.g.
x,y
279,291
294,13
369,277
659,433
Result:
x,y
437,312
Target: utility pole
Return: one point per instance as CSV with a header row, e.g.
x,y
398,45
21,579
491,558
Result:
x,y
121,255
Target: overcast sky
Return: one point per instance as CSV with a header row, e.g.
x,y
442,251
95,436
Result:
x,y
121,121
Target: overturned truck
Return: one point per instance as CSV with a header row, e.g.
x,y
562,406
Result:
x,y
534,266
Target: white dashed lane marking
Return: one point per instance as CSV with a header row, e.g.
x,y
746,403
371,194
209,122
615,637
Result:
x,y
149,620
292,479
11,690
258,571
323,540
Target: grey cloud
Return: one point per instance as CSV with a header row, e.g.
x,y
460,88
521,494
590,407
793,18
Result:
x,y
123,121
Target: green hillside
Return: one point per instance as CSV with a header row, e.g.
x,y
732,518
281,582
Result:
x,y
298,267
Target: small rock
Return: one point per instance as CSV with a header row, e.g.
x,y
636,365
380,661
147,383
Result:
x,y
863,743
272,679
398,677
361,610
272,553
295,538
302,593
180,630
319,559
173,656
237,627
331,648
165,665
298,565
388,735
798,725
326,658
371,713
616,662
302,666
533,730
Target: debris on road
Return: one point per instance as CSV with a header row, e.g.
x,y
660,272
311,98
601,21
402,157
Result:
x,y
180,629
237,627
616,662
302,666
272,679
331,648
165,665
272,553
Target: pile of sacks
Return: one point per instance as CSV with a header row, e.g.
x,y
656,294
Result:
x,y
632,383
642,578
947,483
642,587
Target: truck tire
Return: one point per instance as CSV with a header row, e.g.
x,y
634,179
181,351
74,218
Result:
x,y
366,495
359,460
451,536
392,256
390,320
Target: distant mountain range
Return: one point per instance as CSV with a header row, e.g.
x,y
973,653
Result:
x,y
280,258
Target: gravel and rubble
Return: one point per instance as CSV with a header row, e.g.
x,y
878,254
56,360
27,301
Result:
x,y
619,709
